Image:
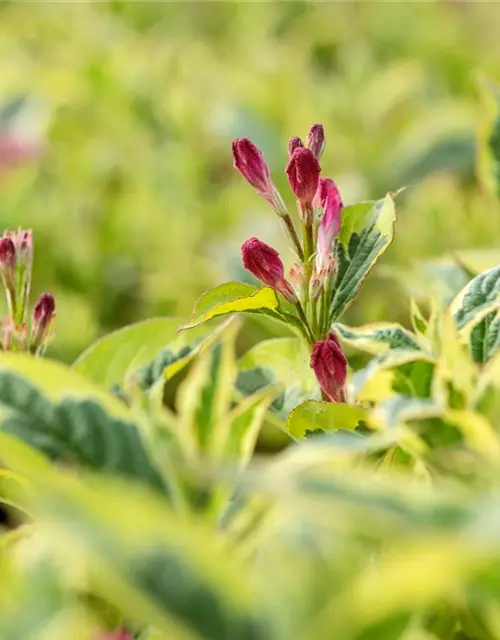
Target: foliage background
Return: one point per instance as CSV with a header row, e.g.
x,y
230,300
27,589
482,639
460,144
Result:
x,y
134,204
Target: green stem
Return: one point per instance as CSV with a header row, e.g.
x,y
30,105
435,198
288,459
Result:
x,y
293,235
314,316
303,318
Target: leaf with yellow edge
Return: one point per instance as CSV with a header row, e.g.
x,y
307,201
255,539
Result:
x,y
235,297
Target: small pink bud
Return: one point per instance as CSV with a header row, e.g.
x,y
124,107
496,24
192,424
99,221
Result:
x,y
328,197
23,243
265,264
298,280
43,315
330,367
7,255
294,143
303,174
44,311
316,140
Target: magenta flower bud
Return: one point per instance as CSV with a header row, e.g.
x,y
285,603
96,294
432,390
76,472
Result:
x,y
330,367
265,264
316,140
294,143
43,315
328,197
303,174
7,255
44,311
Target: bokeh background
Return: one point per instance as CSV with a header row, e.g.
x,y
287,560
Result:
x,y
130,109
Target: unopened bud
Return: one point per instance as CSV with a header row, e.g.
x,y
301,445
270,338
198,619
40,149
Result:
x,y
294,143
316,140
43,315
265,264
303,174
249,161
7,255
298,280
328,197
330,367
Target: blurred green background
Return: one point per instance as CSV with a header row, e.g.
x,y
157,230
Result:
x,y
134,203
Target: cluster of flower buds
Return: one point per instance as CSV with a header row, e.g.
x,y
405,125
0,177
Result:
x,y
16,265
311,282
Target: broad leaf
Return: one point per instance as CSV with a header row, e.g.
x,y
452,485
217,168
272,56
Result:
x,y
475,310
156,567
477,299
367,231
235,297
205,397
283,362
377,338
144,352
397,371
62,414
314,416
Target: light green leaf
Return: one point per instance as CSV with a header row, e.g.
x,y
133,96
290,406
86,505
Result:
x,y
144,352
312,416
477,299
235,297
156,567
475,310
205,396
377,338
367,231
283,362
477,260
392,370
246,421
71,420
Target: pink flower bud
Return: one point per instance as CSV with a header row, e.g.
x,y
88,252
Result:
x,y
249,161
44,311
316,140
330,367
294,143
298,280
265,264
43,315
23,244
328,197
303,174
7,255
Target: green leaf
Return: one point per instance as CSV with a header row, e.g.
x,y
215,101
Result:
x,y
312,416
144,352
477,299
377,338
235,297
475,310
283,362
204,398
246,421
484,339
367,231
69,419
156,567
